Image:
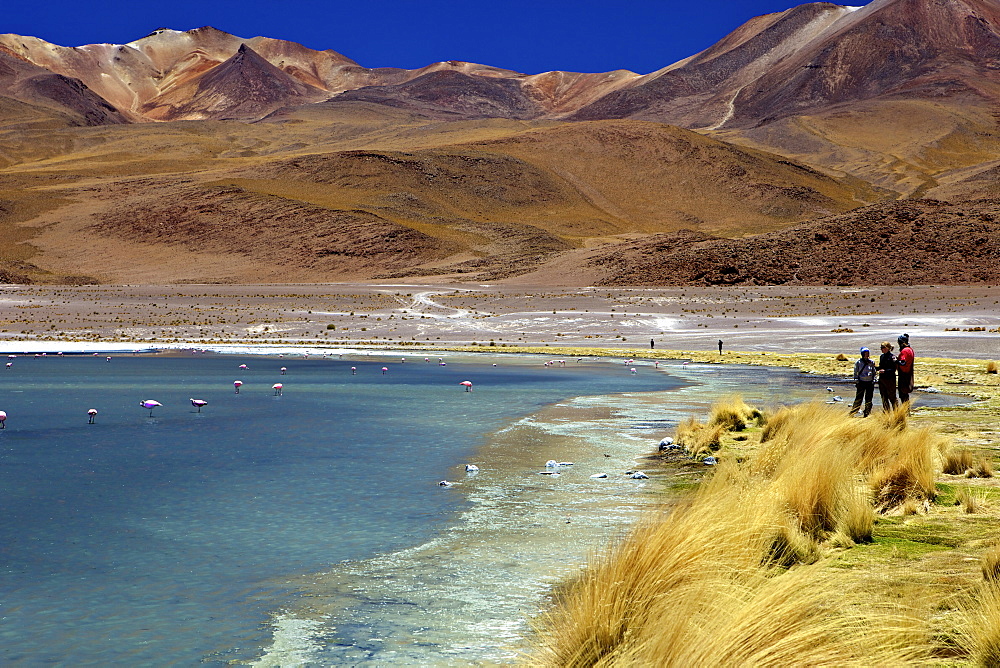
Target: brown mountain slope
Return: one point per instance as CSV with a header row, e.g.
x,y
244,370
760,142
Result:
x,y
497,207
699,91
815,56
49,97
244,87
915,242
452,94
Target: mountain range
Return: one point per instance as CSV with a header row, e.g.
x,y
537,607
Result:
x,y
199,156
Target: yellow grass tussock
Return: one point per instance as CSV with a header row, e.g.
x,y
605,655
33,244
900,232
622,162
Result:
x,y
990,563
733,414
991,367
971,500
957,462
698,438
978,626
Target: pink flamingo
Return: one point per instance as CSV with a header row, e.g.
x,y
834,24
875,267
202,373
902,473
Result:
x,y
150,404
244,366
10,364
354,370
198,403
468,385
277,389
283,370
93,414
3,420
385,370
236,384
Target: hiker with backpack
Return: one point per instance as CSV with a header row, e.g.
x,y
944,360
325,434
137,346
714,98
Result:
x,y
864,379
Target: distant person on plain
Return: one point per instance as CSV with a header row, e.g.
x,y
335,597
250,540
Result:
x,y
887,377
904,368
864,380
720,346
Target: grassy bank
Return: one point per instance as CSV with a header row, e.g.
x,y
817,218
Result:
x,y
817,539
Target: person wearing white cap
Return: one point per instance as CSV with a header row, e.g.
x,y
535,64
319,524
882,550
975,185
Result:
x,y
864,379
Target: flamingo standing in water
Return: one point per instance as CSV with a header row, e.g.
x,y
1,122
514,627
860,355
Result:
x,y
283,370
3,419
277,387
354,370
236,384
385,370
198,403
468,385
93,414
150,404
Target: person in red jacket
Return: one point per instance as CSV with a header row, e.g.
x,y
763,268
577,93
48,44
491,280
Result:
x,y
904,368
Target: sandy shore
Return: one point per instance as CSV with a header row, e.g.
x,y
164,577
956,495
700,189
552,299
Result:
x,y
942,321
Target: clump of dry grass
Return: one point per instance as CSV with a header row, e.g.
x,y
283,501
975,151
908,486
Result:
x,y
971,500
957,462
990,564
982,469
733,414
991,367
699,438
897,461
979,624
841,358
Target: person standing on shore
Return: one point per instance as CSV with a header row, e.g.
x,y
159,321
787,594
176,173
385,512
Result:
x,y
864,380
904,368
887,377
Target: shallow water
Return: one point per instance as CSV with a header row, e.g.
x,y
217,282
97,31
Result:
x,y
308,528
163,539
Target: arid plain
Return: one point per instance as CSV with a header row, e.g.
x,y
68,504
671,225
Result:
x,y
952,321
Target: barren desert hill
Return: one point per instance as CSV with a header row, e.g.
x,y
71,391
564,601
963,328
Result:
x,y
201,156
498,204
910,242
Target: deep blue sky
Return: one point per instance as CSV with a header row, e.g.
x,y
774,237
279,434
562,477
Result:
x,y
524,35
